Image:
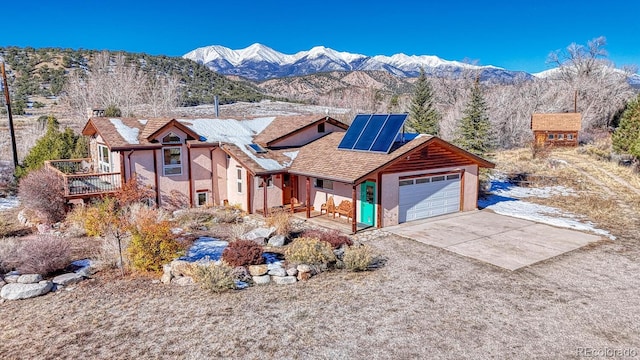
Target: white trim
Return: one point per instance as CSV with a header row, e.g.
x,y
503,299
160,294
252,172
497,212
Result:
x,y
104,166
206,198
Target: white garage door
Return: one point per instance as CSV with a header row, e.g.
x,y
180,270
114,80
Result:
x,y
428,196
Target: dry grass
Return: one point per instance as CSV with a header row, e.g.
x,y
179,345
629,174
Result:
x,y
281,220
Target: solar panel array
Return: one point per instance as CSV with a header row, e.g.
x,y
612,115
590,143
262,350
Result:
x,y
372,132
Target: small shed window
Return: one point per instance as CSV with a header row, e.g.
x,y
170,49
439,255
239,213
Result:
x,y
551,136
560,136
321,128
569,136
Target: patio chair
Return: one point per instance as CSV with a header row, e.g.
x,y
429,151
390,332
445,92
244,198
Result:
x,y
345,208
295,205
329,207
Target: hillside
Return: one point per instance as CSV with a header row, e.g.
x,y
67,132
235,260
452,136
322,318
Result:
x,y
44,72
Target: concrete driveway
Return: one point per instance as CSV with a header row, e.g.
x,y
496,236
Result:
x,y
504,241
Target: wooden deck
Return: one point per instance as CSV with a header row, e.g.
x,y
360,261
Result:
x,y
341,224
81,182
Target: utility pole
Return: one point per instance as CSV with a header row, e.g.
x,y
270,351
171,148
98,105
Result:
x,y
11,131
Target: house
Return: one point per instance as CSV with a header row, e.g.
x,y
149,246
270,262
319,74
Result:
x,y
264,163
558,129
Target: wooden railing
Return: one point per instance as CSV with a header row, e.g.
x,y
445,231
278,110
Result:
x,y
79,182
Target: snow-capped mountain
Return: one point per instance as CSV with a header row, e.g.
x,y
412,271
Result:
x,y
259,62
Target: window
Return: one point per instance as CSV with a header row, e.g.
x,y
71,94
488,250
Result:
x,y
437,178
321,128
569,136
422,181
323,184
239,179
550,136
560,136
104,159
171,138
405,182
202,198
269,182
172,161
453,177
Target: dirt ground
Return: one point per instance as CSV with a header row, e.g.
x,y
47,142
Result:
x,y
424,303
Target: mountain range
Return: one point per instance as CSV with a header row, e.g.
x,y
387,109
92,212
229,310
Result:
x,y
259,62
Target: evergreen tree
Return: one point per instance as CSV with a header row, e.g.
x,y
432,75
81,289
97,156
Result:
x,y
626,138
424,118
474,132
52,146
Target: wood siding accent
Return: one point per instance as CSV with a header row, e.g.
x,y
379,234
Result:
x,y
434,157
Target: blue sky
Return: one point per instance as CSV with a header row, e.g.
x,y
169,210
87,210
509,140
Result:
x,y
517,35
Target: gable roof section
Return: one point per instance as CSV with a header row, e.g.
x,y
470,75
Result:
x,y
323,159
156,126
117,133
556,122
283,127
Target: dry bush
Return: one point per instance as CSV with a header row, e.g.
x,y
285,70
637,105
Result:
x,y
281,220
42,192
310,251
227,214
152,242
358,258
43,254
133,192
8,254
107,253
243,253
194,219
7,183
236,231
333,237
175,201
215,278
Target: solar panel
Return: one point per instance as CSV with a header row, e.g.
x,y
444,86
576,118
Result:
x,y
375,132
352,134
388,133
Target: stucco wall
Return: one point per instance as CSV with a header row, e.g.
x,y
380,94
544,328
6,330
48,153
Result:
x,y
274,193
233,196
220,174
201,173
390,199
306,136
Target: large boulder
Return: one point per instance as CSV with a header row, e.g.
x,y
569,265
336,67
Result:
x,y
278,272
259,235
261,280
276,240
29,279
11,278
17,291
67,279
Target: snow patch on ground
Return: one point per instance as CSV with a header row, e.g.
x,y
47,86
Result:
x,y
9,202
505,199
205,248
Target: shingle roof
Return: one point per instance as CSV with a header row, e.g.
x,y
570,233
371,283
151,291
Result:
x,y
323,159
117,132
556,122
285,125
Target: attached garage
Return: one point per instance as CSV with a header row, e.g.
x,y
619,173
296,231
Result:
x,y
426,196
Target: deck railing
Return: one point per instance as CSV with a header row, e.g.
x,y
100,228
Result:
x,y
80,180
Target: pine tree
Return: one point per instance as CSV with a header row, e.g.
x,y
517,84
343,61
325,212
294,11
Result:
x,y
424,118
474,132
626,138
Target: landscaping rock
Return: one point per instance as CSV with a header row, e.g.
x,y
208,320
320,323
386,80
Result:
x,y
258,270
29,279
259,235
304,276
183,281
284,280
274,265
2,283
261,280
181,268
17,291
304,268
292,271
278,272
276,240
67,279
166,278
10,279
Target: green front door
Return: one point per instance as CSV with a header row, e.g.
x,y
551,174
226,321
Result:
x,y
368,203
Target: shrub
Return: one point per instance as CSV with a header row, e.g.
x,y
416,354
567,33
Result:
x,y
333,237
41,191
8,254
227,214
358,258
281,220
107,255
152,242
215,278
243,253
237,230
43,254
309,251
194,219
133,192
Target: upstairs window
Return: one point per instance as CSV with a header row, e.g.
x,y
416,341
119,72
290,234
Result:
x,y
172,161
171,138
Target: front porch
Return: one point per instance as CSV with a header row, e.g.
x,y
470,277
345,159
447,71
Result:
x,y
326,220
80,181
